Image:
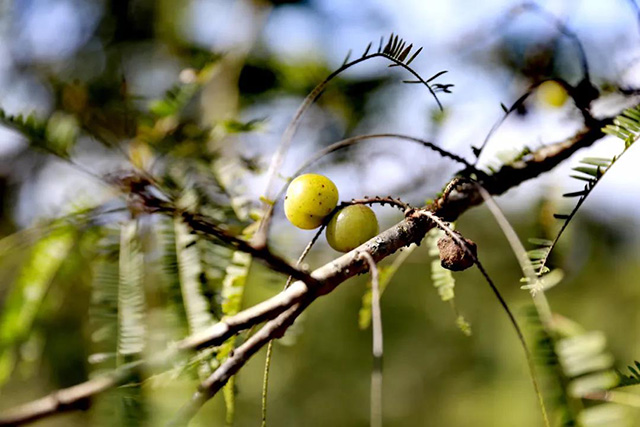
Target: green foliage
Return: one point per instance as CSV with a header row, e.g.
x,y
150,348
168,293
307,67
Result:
x,y
395,48
131,408
578,367
55,135
192,268
28,292
442,278
632,378
604,415
232,126
545,356
510,156
577,359
626,127
588,365
30,126
177,98
538,256
545,278
586,362
232,292
118,315
234,282
103,313
131,298
190,275
174,100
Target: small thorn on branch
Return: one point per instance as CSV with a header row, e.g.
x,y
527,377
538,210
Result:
x,y
346,59
366,50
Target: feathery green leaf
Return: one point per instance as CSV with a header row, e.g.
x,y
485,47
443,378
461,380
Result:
x,y
29,290
131,298
232,293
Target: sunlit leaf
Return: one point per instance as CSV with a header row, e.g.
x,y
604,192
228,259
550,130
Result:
x,y
29,290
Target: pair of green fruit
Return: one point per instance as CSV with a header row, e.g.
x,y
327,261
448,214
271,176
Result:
x,y
311,197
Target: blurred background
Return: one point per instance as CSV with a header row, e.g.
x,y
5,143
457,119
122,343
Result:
x,y
97,72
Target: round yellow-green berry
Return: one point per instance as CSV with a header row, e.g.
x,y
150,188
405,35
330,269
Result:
x,y
309,199
350,227
552,93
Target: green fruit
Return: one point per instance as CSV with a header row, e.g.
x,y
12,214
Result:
x,y
351,227
552,94
310,198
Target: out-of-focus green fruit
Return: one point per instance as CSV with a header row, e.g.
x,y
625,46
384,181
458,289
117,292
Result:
x,y
552,93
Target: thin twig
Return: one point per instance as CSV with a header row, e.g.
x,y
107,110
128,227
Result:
x,y
391,201
588,188
265,383
520,101
208,228
287,137
563,29
267,362
377,345
348,142
463,245
539,298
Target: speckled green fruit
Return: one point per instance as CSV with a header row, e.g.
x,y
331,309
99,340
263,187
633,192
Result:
x,y
310,198
351,227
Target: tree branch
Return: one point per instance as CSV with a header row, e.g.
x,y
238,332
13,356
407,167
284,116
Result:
x,y
67,399
208,388
511,175
284,307
203,225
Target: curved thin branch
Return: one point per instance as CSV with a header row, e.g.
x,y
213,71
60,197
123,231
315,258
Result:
x,y
264,225
287,137
462,244
347,142
205,226
539,299
571,91
564,30
267,362
587,191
